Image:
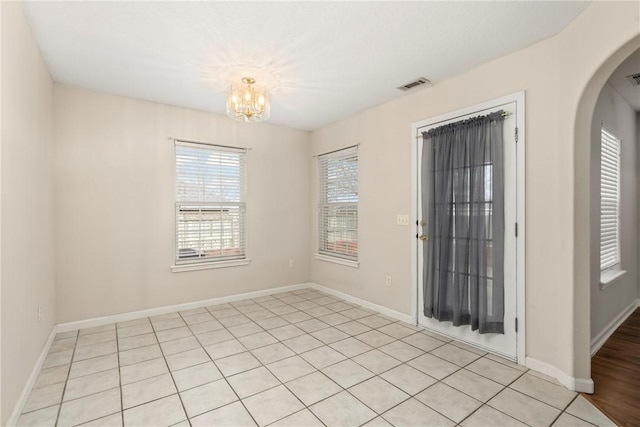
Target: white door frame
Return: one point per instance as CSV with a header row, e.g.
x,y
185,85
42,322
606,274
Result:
x,y
519,98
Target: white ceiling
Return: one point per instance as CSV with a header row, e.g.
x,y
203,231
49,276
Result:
x,y
322,61
619,80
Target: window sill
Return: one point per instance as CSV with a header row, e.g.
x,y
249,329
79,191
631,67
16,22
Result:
x,y
609,277
208,265
336,260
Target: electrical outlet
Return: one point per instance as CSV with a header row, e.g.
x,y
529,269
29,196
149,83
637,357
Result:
x,y
291,263
389,281
39,313
402,219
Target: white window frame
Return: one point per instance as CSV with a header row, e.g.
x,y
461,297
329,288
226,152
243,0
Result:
x,y
338,192
211,192
610,177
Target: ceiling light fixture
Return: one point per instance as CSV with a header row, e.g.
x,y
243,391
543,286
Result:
x,y
248,103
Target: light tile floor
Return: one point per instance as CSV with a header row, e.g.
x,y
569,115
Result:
x,y
300,358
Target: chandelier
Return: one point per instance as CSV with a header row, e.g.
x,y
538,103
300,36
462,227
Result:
x,y
248,103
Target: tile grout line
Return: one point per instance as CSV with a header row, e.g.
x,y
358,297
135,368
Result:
x,y
249,350
441,381
504,387
278,341
577,416
305,407
405,363
343,389
281,383
508,386
143,346
164,358
411,396
119,375
64,389
223,376
388,409
98,392
295,354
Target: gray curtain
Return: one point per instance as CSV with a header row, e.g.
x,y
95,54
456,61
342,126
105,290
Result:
x,y
463,204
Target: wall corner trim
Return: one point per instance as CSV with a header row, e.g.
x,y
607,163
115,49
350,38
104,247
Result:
x,y
598,341
584,385
407,318
31,381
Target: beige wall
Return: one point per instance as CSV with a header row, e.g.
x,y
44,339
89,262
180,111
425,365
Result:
x,y
27,233
608,303
114,205
554,74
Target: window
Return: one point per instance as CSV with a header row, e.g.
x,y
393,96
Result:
x,y
338,204
609,200
210,203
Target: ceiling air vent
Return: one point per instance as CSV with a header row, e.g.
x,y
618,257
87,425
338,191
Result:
x,y
417,82
634,79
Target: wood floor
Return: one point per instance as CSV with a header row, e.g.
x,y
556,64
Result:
x,y
615,370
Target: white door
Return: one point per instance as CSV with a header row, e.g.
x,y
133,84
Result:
x,y
502,344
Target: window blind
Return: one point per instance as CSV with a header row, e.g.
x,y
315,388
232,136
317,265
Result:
x,y
338,203
210,203
609,200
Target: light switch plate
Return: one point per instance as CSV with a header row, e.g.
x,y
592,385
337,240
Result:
x,y
402,219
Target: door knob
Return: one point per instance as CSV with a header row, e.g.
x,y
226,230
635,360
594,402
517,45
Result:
x,y
422,237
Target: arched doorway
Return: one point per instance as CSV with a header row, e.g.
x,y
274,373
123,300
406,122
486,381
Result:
x,y
582,201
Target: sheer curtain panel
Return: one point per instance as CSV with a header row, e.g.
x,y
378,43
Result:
x,y
463,204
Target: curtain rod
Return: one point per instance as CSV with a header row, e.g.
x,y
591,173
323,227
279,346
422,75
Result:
x,y
212,144
504,115
336,150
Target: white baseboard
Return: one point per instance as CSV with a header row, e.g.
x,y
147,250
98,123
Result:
x,y
31,381
366,304
598,341
584,385
123,317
